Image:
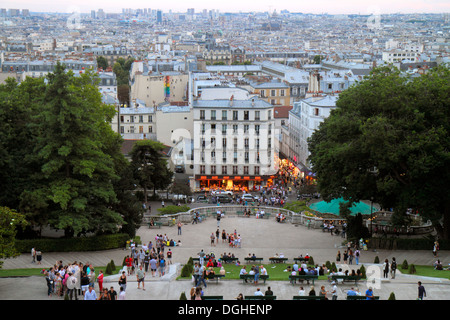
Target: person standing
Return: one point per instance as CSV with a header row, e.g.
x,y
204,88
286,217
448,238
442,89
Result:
x,y
112,294
38,256
71,286
179,227
357,254
122,294
33,255
386,268
393,267
153,265
90,294
421,291
123,281
334,294
140,276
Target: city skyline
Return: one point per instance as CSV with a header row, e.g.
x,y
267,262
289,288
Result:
x,y
318,7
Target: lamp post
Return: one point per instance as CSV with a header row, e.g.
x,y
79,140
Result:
x,y
371,208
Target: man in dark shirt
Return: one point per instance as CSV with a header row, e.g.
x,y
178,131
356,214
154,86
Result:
x,y
112,294
422,292
268,292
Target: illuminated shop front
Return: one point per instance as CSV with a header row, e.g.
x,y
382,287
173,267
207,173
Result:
x,y
233,183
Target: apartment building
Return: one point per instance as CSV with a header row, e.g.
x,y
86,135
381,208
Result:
x,y
234,144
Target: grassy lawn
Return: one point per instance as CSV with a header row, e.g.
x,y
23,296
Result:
x,y
275,271
5,273
429,271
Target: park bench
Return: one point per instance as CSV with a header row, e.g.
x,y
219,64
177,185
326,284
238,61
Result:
x,y
301,259
242,214
260,297
278,260
228,259
253,259
344,278
252,277
308,297
212,297
361,298
215,277
156,224
303,277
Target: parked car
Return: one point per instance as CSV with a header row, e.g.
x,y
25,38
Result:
x,y
223,198
247,196
179,169
219,191
202,199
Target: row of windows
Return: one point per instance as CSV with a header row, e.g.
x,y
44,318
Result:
x,y
235,143
235,127
235,170
139,119
213,115
131,129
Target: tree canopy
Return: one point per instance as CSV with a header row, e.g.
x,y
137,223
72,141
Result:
x,y
60,159
388,140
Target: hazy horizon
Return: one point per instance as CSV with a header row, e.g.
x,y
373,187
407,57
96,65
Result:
x,y
317,7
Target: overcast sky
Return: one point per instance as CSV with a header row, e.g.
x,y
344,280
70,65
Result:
x,y
305,6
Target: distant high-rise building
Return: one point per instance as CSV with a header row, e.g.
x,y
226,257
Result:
x,y
93,14
159,16
25,13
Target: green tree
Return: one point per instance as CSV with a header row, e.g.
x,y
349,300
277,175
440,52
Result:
x,y
149,166
10,220
388,139
74,183
102,62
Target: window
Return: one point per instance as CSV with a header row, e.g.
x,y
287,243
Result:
x,y
224,156
224,169
246,156
203,128
224,129
246,144
257,115
269,114
213,128
235,128
263,94
121,119
235,169
245,169
246,126
273,93
202,169
150,118
235,115
257,127
141,118
122,129
224,142
282,92
213,155
141,129
224,115
202,114
131,118
316,111
246,115
213,114
213,169
256,170
132,129
213,142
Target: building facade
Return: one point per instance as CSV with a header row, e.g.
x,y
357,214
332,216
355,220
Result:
x,y
234,144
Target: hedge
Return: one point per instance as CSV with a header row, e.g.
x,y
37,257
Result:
x,y
94,243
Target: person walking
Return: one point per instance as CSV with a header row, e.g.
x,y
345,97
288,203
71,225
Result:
x,y
90,294
33,255
123,281
334,293
421,291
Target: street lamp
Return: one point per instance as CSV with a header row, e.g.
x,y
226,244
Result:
x,y
371,208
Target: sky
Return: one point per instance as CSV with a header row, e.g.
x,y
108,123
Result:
x,y
305,6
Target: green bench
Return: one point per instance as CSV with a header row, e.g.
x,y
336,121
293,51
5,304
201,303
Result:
x,y
228,260
253,259
156,224
302,277
260,298
278,260
308,297
215,277
245,277
212,297
345,278
241,214
361,298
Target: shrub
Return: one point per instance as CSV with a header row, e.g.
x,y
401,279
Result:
x,y
392,296
183,296
363,271
311,261
377,260
113,266
109,269
333,267
405,265
173,209
328,265
412,269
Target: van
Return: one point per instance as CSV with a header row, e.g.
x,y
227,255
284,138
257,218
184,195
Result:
x,y
223,198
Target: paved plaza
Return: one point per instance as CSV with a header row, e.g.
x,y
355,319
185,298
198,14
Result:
x,y
263,237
